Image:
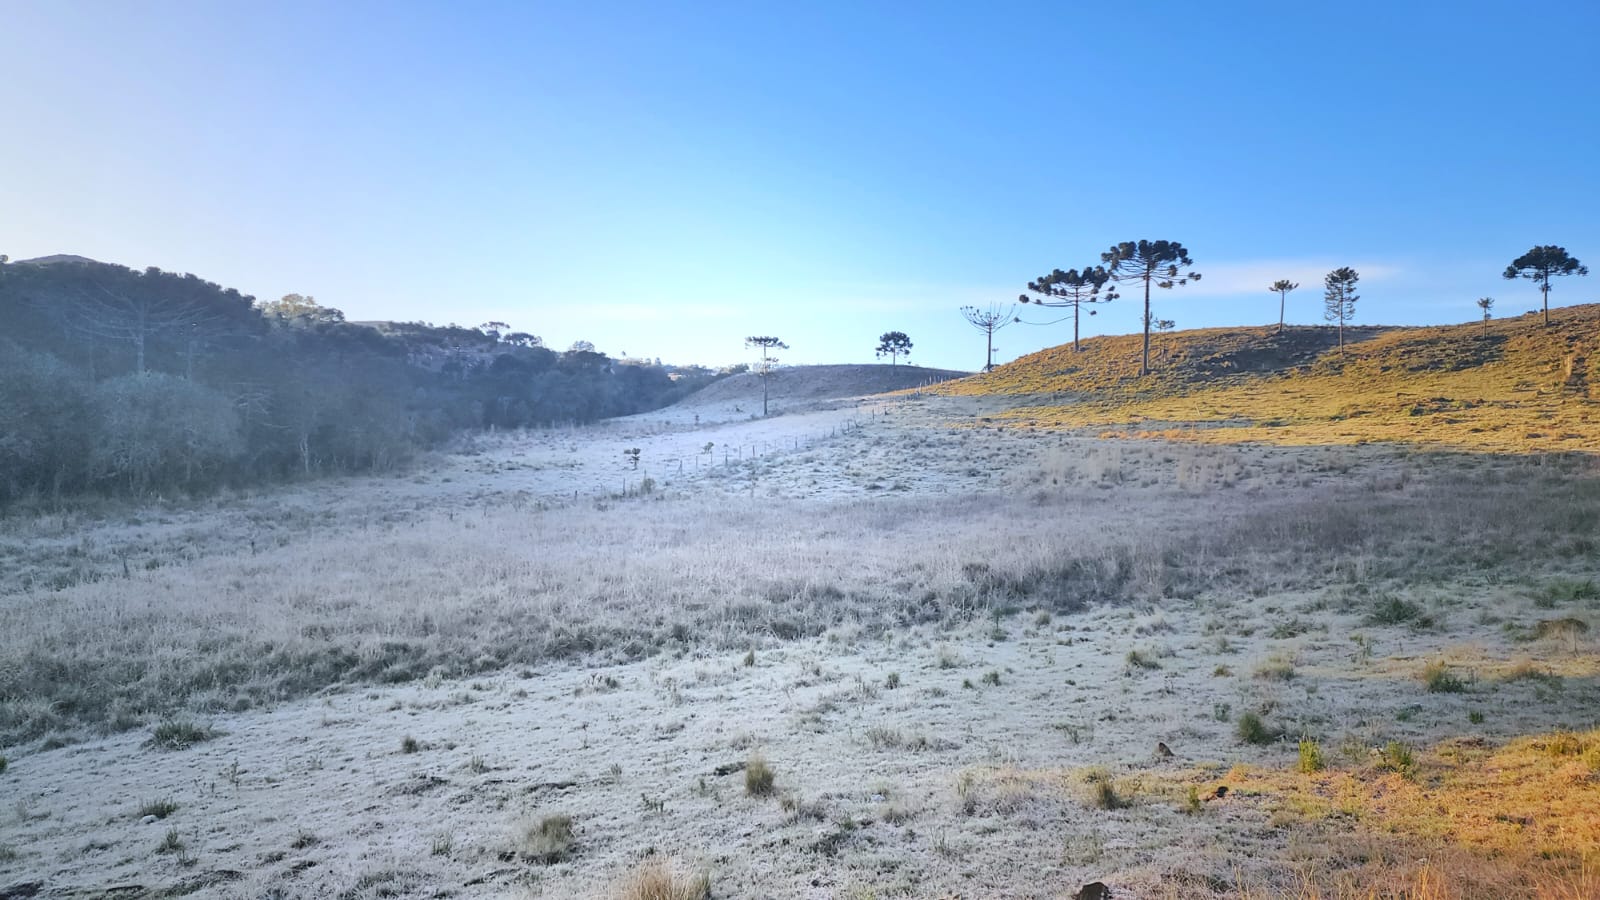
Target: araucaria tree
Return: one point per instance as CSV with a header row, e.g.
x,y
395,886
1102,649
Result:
x,y
1541,264
1073,289
1487,305
768,361
1282,287
1339,298
893,344
989,321
1158,263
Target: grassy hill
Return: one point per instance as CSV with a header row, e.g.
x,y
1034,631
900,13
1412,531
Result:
x,y
798,385
1514,386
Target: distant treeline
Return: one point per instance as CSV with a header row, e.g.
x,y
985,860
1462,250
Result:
x,y
125,382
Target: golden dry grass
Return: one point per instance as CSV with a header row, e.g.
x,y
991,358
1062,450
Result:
x,y
654,879
1513,820
1516,386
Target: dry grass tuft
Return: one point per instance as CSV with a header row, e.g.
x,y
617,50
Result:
x,y
547,840
654,879
759,779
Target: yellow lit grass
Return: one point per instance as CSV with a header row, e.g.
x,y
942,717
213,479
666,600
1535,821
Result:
x,y
1523,812
1520,388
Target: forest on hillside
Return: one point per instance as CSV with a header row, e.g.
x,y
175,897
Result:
x,y
117,381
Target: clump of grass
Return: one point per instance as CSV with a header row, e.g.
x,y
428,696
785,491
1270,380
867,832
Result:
x,y
1567,590
1440,680
946,658
1392,610
1191,801
409,744
3,764
1276,668
1139,659
1564,743
304,839
158,808
172,843
1310,756
892,681
1252,730
750,659
759,778
1475,717
1221,671
548,840
179,734
1527,671
1569,627
443,844
654,879
1398,758
1101,790
992,678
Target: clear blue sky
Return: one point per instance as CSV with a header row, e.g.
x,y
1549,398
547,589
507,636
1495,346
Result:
x,y
667,178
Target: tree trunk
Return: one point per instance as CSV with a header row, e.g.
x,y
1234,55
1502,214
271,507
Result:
x,y
1545,289
1144,363
1075,308
1283,297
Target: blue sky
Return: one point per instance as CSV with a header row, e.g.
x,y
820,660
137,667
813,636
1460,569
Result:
x,y
665,179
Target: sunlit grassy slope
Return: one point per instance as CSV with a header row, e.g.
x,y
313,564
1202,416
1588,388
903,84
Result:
x,y
1516,385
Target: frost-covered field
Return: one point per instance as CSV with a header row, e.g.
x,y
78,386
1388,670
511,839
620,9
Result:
x,y
957,647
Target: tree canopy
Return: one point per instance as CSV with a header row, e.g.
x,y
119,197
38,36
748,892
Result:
x,y
1339,298
1072,288
1162,264
893,344
1543,263
1282,287
988,321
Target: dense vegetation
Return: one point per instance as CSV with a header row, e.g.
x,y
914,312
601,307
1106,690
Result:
x,y
119,381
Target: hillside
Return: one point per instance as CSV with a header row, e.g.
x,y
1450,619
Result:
x,y
802,385
119,381
1513,386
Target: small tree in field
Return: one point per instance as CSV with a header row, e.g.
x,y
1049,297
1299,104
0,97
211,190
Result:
x,y
1072,289
989,321
1153,263
1339,298
1486,304
768,361
893,344
1541,264
1282,287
